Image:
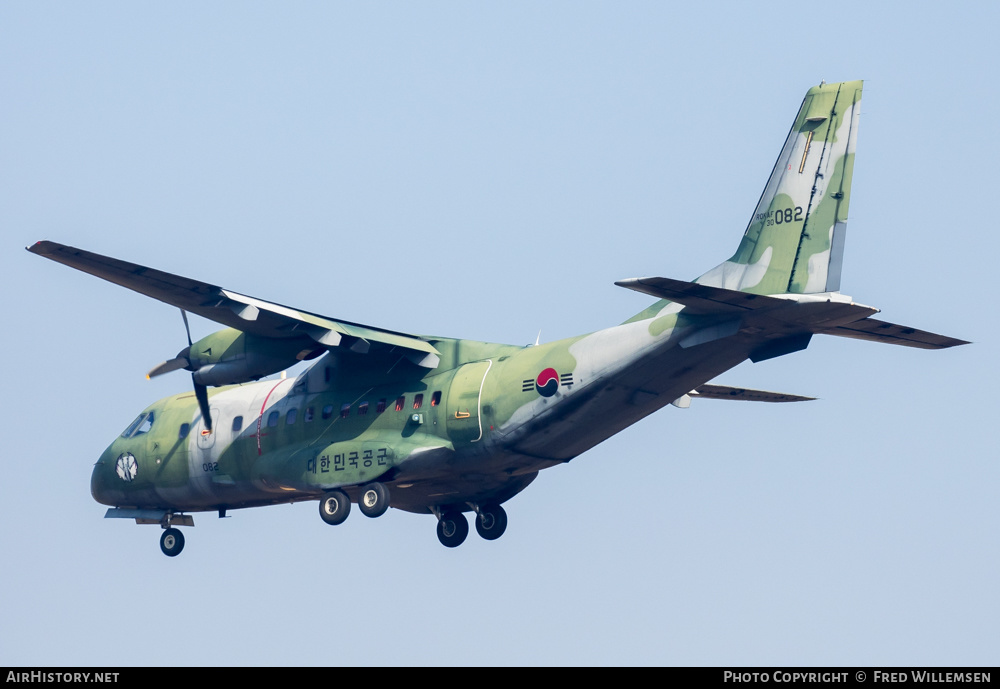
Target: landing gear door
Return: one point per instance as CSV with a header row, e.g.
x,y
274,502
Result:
x,y
465,403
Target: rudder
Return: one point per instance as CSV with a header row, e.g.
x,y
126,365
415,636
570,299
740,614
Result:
x,y
794,242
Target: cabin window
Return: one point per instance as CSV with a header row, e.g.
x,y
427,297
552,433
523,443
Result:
x,y
183,432
436,399
327,411
380,407
362,409
291,416
237,424
310,413
400,403
418,401
345,411
272,419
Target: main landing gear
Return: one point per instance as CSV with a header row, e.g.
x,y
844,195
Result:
x,y
374,500
335,505
491,522
453,527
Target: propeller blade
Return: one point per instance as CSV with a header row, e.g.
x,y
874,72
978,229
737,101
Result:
x,y
168,366
187,328
201,392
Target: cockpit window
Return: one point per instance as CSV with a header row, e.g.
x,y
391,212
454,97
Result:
x,y
142,424
127,433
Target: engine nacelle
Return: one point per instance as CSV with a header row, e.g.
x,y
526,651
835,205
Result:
x,y
231,356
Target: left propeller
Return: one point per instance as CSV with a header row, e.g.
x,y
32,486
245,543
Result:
x,y
178,362
183,360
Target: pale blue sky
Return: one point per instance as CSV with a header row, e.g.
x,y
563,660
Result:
x,y
489,172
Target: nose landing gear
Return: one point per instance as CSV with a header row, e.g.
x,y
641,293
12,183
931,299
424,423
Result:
x,y
172,542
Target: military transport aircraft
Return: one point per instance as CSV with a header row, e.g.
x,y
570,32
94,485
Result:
x,y
446,426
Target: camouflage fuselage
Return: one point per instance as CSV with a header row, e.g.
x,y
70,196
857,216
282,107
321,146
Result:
x,y
479,432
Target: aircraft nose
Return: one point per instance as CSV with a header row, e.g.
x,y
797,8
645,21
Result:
x,y
102,486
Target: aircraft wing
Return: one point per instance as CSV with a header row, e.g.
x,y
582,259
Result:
x,y
248,314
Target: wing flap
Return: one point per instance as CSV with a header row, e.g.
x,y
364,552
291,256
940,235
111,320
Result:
x,y
248,314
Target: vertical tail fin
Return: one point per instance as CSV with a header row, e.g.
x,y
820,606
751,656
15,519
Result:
x,y
795,239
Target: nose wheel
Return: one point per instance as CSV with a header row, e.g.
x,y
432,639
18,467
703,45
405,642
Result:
x,y
172,542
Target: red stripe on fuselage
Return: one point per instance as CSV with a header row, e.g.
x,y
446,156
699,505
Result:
x,y
260,417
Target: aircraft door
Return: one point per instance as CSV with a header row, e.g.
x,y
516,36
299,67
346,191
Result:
x,y
206,441
215,464
464,411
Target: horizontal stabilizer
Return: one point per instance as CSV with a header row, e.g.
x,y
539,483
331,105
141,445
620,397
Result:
x,y
812,312
890,333
247,314
700,298
724,392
